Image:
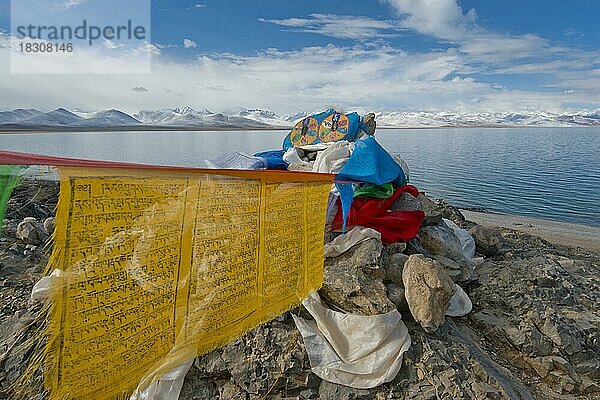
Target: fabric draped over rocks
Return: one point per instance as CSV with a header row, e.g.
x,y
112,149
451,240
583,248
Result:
x,y
343,243
353,350
394,226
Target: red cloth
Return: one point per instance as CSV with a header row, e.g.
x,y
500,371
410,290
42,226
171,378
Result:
x,y
394,226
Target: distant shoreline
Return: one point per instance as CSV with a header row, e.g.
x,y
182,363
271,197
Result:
x,y
556,232
139,128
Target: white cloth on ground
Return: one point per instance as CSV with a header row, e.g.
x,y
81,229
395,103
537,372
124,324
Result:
x,y
460,303
362,352
41,290
344,242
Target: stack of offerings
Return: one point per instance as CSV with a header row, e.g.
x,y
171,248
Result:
x,y
353,350
369,181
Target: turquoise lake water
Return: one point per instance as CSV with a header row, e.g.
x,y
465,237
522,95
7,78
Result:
x,y
551,173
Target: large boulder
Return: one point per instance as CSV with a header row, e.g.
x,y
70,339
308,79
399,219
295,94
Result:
x,y
31,231
487,242
428,290
353,281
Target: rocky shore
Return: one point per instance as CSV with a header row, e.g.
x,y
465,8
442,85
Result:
x,y
533,333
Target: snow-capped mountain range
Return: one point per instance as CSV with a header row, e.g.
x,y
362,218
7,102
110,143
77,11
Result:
x,y
189,118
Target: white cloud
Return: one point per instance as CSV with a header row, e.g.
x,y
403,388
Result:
x,y
445,20
199,5
73,3
439,18
339,26
378,78
189,43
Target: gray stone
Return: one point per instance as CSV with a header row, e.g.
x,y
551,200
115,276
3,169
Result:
x,y
17,249
459,271
31,232
394,266
406,202
428,290
450,212
433,212
331,391
398,247
370,123
49,224
353,281
415,247
487,242
396,295
440,240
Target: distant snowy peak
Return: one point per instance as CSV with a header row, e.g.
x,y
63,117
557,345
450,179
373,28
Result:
x,y
267,117
420,119
189,117
294,118
58,117
179,117
109,118
20,114
33,119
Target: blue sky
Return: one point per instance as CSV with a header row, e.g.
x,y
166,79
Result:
x,y
288,56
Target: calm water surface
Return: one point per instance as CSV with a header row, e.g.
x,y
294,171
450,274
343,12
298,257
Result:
x,y
551,173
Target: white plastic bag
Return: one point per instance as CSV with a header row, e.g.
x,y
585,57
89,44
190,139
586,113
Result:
x,y
353,350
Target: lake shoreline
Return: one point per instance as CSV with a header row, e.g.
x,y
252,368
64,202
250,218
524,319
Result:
x,y
555,232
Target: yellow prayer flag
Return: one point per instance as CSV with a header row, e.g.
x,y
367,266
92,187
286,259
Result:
x,y
160,266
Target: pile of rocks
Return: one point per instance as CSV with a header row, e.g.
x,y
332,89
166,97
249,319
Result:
x,y
534,331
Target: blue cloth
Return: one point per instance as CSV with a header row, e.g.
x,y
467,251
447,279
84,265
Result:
x,y
346,198
371,163
237,161
274,159
368,163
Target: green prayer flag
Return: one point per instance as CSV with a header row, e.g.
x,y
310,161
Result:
x,y
377,191
9,178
